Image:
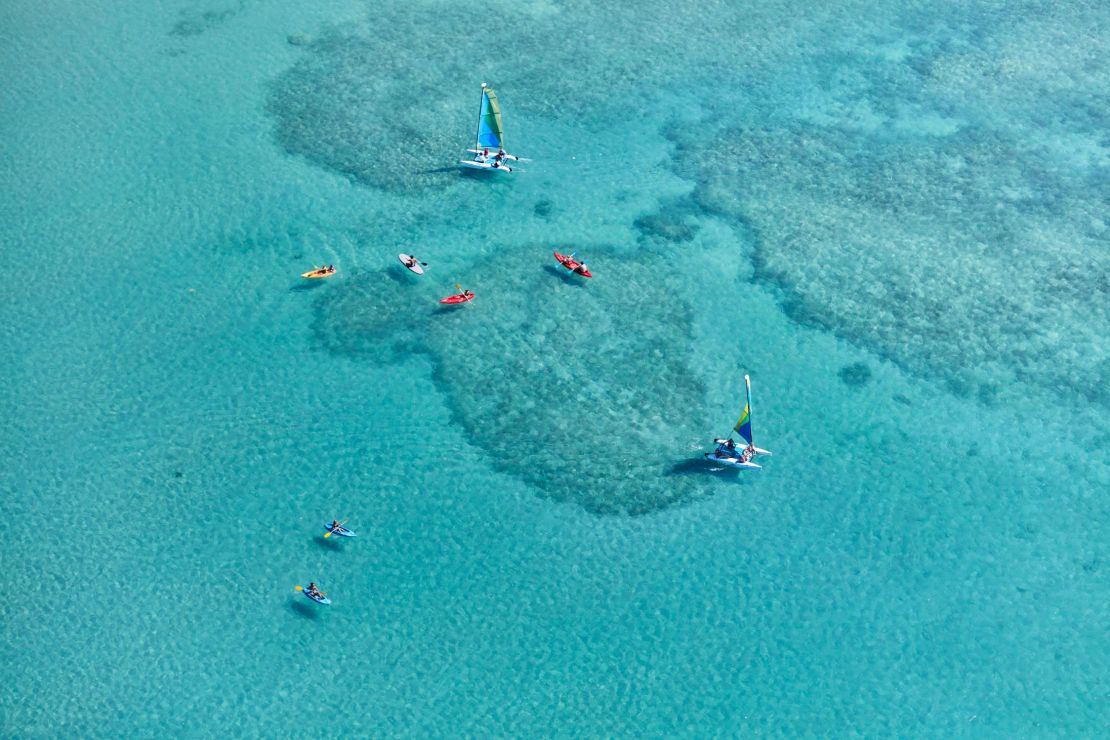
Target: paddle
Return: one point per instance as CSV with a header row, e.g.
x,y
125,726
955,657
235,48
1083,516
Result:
x,y
568,259
330,532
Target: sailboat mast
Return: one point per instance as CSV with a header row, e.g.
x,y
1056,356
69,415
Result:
x,y
478,130
748,394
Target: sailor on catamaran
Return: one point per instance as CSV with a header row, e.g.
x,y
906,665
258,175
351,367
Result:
x,y
490,134
725,452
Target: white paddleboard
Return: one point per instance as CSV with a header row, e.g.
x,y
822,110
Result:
x,y
415,268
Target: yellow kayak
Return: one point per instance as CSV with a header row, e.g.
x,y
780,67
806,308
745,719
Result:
x,y
321,272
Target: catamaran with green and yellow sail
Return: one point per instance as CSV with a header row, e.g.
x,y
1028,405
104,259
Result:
x,y
489,147
726,452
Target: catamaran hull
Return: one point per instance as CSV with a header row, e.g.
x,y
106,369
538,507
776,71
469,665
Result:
x,y
757,450
484,166
732,462
508,156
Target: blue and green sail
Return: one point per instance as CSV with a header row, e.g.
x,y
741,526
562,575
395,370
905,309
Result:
x,y
490,132
744,426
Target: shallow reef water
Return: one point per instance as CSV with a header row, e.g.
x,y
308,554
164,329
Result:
x,y
953,257
902,209
893,216
363,99
545,365
940,233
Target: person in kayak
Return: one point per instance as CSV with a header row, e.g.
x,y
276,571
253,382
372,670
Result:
x,y
312,590
335,526
581,269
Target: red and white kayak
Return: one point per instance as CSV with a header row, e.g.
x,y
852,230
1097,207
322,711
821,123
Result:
x,y
573,265
463,297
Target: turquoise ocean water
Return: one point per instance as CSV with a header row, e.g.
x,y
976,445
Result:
x,y
892,215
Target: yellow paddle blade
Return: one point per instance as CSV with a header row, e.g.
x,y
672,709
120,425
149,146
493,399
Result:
x,y
330,532
298,588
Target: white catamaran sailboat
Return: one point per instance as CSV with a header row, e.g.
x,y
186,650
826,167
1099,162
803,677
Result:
x,y
489,148
726,452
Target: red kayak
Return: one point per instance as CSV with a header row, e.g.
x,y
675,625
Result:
x,y
573,265
463,297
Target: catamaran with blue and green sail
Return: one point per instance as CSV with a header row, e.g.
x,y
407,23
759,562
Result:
x,y
726,452
489,147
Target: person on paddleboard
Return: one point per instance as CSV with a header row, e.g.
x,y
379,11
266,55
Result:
x,y
410,262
